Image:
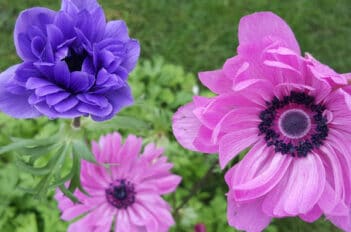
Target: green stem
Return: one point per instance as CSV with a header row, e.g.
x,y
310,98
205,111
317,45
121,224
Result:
x,y
194,190
76,123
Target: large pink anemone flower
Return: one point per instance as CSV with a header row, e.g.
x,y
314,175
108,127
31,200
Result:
x,y
294,114
127,194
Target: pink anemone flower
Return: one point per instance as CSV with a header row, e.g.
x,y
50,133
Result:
x,y
294,115
127,194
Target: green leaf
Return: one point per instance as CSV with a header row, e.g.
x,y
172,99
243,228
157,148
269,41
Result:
x,y
39,171
68,193
81,150
19,143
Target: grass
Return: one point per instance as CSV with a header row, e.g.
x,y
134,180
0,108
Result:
x,y
201,34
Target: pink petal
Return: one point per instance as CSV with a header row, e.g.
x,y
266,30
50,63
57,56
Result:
x,y
343,222
300,189
216,81
255,27
123,222
167,184
267,176
237,119
140,216
230,145
186,128
74,211
312,215
246,216
330,205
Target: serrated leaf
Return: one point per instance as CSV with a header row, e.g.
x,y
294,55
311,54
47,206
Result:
x,y
80,149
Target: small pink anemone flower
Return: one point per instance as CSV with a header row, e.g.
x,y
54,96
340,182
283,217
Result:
x,y
294,115
127,194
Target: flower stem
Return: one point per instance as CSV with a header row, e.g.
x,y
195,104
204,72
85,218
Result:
x,y
196,188
76,123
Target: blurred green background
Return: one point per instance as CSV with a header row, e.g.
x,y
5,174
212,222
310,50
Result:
x,y
179,38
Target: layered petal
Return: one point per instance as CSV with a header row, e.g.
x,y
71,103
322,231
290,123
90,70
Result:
x,y
246,216
16,105
258,26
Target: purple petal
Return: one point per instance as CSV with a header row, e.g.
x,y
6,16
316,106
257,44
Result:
x,y
117,29
55,36
48,53
65,22
43,108
133,53
66,104
118,99
81,82
107,80
45,90
93,99
46,69
88,66
62,74
27,19
95,110
25,71
55,98
35,82
74,6
37,46
12,104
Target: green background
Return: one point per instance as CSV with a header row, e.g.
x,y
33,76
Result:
x,y
178,38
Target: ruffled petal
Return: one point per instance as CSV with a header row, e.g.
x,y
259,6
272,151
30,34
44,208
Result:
x,y
258,26
299,190
216,81
258,173
230,145
186,128
15,105
246,216
74,6
37,16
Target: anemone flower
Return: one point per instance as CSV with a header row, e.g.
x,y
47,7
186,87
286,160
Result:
x,y
127,194
74,64
292,113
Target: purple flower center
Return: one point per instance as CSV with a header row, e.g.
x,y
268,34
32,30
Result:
x,y
75,60
294,125
120,194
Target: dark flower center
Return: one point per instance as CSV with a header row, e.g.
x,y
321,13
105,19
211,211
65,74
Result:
x,y
120,194
294,125
75,60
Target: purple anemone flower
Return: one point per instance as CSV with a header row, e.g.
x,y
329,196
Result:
x,y
74,64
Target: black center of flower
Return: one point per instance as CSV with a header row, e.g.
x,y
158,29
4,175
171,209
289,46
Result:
x,y
294,135
120,194
294,123
75,60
